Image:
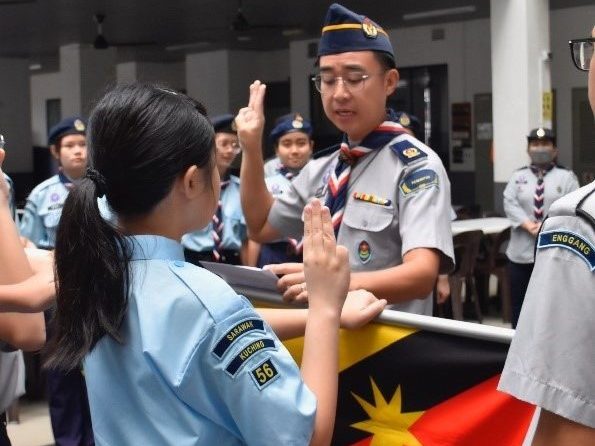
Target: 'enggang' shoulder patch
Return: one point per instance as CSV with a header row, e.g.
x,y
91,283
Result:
x,y
419,180
571,241
236,332
265,373
407,152
246,353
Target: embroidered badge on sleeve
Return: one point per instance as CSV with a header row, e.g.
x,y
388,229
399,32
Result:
x,y
571,241
418,180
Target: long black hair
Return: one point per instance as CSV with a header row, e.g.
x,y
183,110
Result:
x,y
141,137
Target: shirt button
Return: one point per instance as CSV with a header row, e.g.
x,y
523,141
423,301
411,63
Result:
x,y
179,263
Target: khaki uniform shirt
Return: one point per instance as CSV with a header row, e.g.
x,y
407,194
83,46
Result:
x,y
551,361
518,205
398,199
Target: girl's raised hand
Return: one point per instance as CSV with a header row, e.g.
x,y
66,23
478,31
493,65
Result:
x,y
326,265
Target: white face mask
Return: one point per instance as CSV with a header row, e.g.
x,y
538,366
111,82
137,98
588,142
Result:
x,y
541,154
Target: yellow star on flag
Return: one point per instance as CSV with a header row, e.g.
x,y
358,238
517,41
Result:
x,y
388,424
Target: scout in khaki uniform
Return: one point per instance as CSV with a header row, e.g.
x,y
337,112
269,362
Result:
x,y
551,358
527,199
388,193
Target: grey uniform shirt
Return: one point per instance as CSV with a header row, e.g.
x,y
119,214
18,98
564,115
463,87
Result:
x,y
519,203
398,199
551,361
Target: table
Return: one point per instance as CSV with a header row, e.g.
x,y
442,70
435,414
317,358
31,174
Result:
x,y
489,225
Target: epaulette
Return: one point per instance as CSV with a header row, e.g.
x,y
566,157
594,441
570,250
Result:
x,y
585,209
407,151
327,151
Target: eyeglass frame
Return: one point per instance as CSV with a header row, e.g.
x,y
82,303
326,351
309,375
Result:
x,y
365,76
571,44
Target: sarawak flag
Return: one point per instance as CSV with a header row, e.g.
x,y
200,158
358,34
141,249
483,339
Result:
x,y
407,387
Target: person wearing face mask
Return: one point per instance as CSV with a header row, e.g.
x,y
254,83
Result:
x,y
527,198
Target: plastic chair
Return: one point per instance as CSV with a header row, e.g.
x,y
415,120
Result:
x,y
466,248
496,263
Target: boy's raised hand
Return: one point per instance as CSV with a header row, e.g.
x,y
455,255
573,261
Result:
x,y
250,119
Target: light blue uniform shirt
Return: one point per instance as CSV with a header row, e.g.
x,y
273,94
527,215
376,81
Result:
x,y
43,211
234,225
198,366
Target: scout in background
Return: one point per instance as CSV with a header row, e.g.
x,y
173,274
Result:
x,y
550,361
388,193
224,239
44,205
67,394
172,355
292,139
527,199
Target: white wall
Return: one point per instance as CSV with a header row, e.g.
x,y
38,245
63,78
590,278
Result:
x,y
15,114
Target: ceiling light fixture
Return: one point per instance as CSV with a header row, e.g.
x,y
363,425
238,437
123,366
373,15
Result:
x,y
439,13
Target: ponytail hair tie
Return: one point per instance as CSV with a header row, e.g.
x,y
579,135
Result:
x,y
99,181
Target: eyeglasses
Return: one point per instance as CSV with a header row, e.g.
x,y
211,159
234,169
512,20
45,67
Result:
x,y
581,51
353,81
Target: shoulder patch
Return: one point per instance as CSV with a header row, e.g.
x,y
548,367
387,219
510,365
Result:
x,y
571,241
264,374
418,180
407,151
250,350
235,333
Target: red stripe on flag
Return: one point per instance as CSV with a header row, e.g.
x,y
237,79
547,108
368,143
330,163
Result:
x,y
479,416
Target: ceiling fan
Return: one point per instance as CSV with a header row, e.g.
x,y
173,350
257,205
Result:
x,y
241,24
101,43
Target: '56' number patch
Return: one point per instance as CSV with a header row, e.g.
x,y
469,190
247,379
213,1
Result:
x,y
265,373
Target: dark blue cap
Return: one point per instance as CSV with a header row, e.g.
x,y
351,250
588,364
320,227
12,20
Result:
x,y
224,124
408,121
542,133
75,125
292,122
345,31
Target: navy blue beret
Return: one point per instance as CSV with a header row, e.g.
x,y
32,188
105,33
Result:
x,y
224,124
290,123
75,125
345,31
541,133
408,121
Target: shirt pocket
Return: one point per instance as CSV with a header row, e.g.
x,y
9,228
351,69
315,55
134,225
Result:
x,y
368,217
51,218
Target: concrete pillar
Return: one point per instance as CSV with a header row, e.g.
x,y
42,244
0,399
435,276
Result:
x,y
520,73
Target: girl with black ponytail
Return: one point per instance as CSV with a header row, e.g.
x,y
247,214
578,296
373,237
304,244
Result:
x,y
171,354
